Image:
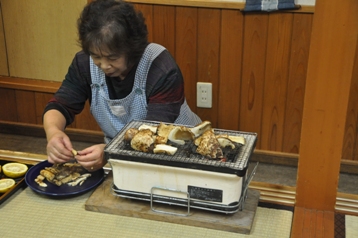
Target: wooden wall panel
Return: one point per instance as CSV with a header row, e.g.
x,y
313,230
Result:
x,y
85,120
232,23
350,143
208,58
186,49
3,56
301,34
8,105
276,77
253,73
353,100
41,100
350,137
147,11
164,27
25,105
41,36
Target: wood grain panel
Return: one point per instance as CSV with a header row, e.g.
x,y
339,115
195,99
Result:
x,y
350,141
29,84
319,225
301,32
8,108
276,77
208,58
41,38
25,104
230,69
85,120
3,56
147,11
312,223
41,100
164,27
351,100
186,19
253,73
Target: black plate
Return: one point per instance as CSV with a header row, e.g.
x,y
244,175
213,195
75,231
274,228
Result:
x,y
64,190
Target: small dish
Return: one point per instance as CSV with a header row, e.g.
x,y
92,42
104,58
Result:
x,y
19,183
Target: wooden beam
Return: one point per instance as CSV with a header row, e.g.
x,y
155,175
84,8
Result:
x,y
331,65
312,223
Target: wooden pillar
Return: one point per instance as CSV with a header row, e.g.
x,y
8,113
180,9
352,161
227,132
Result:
x,y
331,66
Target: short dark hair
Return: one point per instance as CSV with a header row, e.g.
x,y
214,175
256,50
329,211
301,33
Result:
x,y
115,25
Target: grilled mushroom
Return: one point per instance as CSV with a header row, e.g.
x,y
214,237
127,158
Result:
x,y
235,139
164,149
208,145
238,139
180,134
199,129
143,140
225,142
145,126
163,133
130,133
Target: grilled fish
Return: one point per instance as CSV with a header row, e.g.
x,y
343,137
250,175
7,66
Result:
x,y
60,174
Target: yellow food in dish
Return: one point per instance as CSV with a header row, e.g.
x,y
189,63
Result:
x,y
14,170
6,184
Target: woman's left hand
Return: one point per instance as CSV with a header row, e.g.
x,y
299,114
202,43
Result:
x,y
92,158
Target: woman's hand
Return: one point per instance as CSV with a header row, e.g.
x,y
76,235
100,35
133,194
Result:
x,y
59,148
92,158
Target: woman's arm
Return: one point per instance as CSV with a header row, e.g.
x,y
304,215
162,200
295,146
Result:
x,y
59,146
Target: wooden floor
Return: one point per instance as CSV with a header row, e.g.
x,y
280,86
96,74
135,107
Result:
x,y
312,223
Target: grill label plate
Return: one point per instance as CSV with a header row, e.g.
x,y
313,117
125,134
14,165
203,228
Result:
x,y
206,194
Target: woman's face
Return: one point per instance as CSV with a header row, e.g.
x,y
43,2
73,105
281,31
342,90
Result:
x,y
112,65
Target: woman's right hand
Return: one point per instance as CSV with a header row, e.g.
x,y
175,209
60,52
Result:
x,y
59,147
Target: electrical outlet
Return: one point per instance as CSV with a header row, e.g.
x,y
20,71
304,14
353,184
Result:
x,y
204,95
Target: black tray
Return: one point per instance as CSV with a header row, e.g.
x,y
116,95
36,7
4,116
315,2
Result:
x,y
20,182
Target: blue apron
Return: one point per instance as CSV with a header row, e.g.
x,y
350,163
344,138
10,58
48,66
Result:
x,y
113,115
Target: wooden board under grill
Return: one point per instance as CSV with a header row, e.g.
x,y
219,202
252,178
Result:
x,y
241,222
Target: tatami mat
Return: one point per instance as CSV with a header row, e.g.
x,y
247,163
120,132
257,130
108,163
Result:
x,y
28,214
351,226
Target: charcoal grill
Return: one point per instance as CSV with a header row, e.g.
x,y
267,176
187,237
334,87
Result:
x,y
185,178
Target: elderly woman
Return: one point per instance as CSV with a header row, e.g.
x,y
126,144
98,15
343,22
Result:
x,y
122,75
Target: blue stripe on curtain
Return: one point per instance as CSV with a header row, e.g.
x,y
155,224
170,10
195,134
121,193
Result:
x,y
269,5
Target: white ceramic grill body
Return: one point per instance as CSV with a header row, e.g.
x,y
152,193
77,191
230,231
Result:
x,y
142,177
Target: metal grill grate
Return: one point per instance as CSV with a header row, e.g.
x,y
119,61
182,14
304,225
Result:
x,y
236,163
